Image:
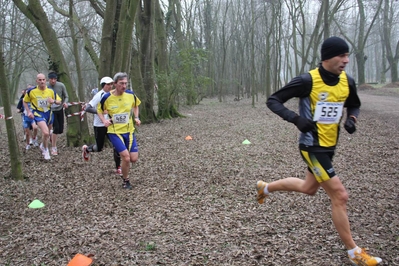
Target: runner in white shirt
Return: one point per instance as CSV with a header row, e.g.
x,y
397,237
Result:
x,y
100,131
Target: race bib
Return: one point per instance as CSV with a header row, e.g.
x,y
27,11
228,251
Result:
x,y
43,104
328,112
120,118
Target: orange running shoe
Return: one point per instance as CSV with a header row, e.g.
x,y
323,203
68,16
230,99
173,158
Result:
x,y
364,259
260,186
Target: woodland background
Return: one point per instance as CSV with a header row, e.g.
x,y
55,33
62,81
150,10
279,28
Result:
x,y
209,65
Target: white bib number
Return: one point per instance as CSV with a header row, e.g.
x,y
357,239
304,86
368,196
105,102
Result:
x,y
121,118
43,104
328,112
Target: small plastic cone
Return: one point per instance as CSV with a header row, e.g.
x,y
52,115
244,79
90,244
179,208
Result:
x,y
189,138
36,204
246,142
80,260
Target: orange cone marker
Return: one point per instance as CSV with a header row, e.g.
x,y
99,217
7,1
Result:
x,y
80,260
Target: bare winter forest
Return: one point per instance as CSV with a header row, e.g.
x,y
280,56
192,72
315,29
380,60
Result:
x,y
194,202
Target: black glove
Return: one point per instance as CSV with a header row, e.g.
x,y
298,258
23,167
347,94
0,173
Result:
x,y
304,124
350,125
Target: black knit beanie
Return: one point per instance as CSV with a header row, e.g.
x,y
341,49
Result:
x,y
52,75
332,47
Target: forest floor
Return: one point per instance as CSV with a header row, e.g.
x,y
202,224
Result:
x,y
194,201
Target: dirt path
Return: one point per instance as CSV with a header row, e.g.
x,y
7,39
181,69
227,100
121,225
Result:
x,y
386,106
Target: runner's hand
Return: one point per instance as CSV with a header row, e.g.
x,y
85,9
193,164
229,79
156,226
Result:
x,y
304,124
350,125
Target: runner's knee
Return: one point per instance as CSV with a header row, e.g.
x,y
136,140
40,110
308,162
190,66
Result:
x,y
311,191
340,197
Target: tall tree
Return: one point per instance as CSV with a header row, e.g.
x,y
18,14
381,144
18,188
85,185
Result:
x,y
16,165
164,90
388,26
253,86
108,38
124,35
75,49
147,59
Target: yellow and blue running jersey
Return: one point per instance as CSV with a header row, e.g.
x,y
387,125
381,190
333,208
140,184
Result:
x,y
119,110
38,98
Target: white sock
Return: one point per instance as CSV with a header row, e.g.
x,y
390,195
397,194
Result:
x,y
351,252
265,190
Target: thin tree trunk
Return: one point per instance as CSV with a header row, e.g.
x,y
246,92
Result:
x,y
107,40
76,52
124,35
391,57
15,157
147,60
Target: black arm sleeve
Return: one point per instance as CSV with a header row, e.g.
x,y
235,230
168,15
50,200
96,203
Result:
x,y
20,105
299,86
91,109
352,103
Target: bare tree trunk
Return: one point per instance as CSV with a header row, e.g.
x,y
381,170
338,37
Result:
x,y
253,86
147,60
208,28
224,53
108,39
76,52
124,35
387,29
15,157
326,26
166,101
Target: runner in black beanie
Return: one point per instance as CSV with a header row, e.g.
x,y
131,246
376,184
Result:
x,y
324,92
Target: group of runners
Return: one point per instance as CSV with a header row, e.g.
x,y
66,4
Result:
x,y
115,109
42,108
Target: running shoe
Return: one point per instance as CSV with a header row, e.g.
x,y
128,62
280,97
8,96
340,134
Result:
x,y
46,155
27,147
362,258
35,143
85,153
42,148
260,186
54,151
126,184
119,170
